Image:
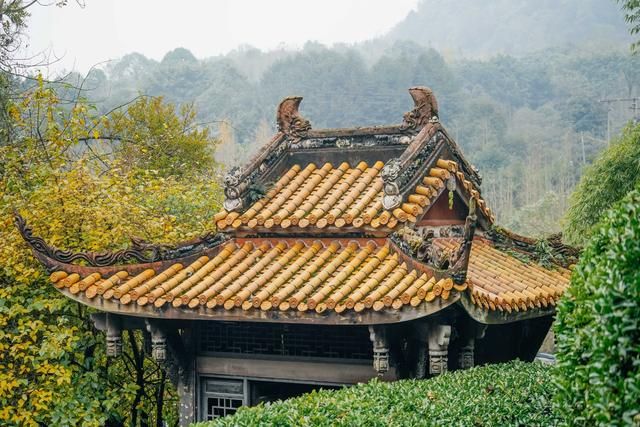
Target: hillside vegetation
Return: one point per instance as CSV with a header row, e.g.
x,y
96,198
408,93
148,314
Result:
x,y
473,28
530,124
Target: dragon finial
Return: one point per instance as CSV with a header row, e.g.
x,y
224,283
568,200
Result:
x,y
425,108
289,120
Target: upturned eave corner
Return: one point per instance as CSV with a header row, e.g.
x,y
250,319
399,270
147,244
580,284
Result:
x,y
139,255
497,317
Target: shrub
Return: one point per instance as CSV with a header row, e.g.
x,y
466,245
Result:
x,y
515,393
598,326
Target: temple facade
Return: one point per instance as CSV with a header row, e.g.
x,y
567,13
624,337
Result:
x,y
341,255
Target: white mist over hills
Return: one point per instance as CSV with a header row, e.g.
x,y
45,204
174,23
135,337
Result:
x,y
109,29
487,28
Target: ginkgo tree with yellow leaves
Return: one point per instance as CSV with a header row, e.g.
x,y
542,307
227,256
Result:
x,y
86,181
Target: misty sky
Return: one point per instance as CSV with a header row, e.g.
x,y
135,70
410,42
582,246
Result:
x,y
108,29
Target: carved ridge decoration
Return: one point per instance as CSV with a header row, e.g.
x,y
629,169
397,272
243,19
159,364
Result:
x,y
459,260
237,180
563,254
425,111
425,108
398,173
139,252
292,127
354,141
443,263
289,120
391,190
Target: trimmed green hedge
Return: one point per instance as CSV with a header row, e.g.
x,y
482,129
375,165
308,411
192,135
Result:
x,y
511,394
598,326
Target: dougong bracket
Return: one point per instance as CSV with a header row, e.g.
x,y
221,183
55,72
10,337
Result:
x,y
158,341
114,335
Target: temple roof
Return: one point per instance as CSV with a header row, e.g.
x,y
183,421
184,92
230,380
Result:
x,y
285,278
312,231
326,198
315,275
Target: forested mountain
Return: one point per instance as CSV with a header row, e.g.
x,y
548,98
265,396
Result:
x,y
530,122
485,28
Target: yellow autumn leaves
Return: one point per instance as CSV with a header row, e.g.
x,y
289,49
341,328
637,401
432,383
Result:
x,y
86,182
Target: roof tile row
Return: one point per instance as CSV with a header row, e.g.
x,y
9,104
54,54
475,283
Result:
x,y
340,196
499,281
274,274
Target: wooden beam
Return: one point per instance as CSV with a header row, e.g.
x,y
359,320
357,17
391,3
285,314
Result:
x,y
293,370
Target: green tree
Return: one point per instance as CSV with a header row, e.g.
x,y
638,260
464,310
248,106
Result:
x,y
613,174
82,189
598,326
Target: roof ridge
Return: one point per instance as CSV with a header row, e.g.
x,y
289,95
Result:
x,y
294,131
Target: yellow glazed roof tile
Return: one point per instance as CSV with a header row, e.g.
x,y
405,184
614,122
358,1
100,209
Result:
x,y
322,274
339,196
500,281
272,274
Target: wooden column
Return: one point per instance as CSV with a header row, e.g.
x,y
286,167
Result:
x,y
174,351
114,335
187,380
421,365
466,356
378,336
438,340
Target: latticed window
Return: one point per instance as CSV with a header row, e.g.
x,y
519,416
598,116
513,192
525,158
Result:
x,y
318,341
221,397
